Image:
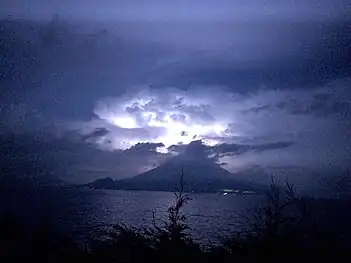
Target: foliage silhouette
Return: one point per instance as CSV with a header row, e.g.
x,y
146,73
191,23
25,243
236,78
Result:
x,y
284,227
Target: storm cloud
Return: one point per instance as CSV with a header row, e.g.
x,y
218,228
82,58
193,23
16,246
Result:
x,y
117,88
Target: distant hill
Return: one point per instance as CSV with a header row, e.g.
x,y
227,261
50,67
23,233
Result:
x,y
199,176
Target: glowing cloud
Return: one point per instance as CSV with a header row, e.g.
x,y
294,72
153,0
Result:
x,y
178,118
124,122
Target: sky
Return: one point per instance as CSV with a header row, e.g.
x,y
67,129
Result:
x,y
114,88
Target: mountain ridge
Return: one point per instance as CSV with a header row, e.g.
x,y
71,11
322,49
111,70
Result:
x,y
199,176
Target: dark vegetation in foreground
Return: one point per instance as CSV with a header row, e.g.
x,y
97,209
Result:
x,y
284,228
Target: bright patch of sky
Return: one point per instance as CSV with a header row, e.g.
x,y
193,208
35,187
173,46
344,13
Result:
x,y
176,118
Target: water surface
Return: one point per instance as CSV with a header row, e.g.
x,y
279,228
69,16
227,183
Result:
x,y
78,211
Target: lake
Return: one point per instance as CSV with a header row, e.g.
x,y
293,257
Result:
x,y
79,211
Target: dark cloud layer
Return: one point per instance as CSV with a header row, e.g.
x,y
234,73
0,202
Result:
x,y
178,10
237,149
71,158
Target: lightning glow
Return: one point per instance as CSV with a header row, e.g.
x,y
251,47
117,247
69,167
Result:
x,y
125,122
170,120
175,132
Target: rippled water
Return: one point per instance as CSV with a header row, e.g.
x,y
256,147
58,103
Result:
x,y
79,211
